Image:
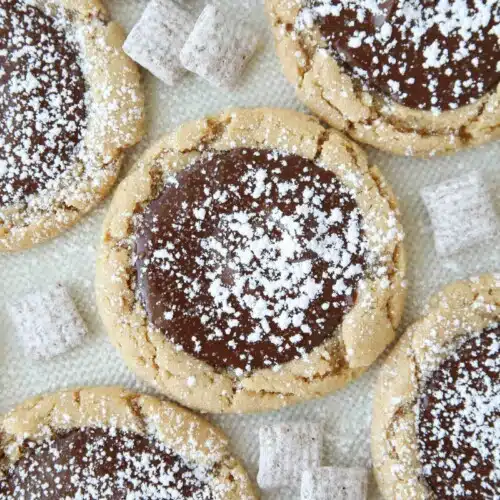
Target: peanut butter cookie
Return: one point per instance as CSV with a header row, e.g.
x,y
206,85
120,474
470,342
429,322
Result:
x,y
70,104
251,260
435,427
109,443
409,77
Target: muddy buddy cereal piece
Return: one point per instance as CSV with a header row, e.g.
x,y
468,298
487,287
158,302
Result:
x,y
70,104
112,444
286,450
461,212
48,323
252,4
156,40
334,483
219,46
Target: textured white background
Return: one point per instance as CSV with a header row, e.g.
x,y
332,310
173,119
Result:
x,y
70,259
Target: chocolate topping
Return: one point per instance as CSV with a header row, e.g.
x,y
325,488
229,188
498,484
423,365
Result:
x,y
95,463
42,107
424,54
459,421
249,259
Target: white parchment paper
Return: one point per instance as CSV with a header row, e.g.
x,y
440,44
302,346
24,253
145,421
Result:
x,y
71,259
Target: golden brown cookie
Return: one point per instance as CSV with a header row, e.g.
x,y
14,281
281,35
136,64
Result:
x,y
251,260
407,77
70,104
109,443
437,405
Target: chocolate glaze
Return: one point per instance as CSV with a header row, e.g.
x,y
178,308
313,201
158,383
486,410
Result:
x,y
206,277
103,464
458,411
411,71
42,107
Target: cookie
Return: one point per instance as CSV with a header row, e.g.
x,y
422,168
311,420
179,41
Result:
x,y
408,77
437,406
251,260
70,104
109,443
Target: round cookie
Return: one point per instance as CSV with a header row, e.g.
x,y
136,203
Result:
x,y
109,443
409,77
437,404
250,261
70,104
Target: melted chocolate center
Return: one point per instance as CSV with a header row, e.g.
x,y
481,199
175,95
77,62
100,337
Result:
x,y
94,463
459,421
42,108
424,54
249,259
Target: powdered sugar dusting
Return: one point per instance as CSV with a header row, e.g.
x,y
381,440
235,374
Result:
x,y
284,267
104,463
72,103
261,258
459,421
427,55
41,101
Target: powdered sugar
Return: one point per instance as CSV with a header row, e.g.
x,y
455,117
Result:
x,y
72,105
437,55
445,16
41,100
268,260
458,417
97,362
284,268
104,463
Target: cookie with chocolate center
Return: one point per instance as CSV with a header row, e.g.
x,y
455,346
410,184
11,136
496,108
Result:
x,y
436,413
406,76
70,104
251,260
108,443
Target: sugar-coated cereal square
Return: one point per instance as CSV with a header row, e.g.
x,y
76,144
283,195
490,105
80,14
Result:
x,y
219,46
461,211
334,483
155,42
47,322
286,450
